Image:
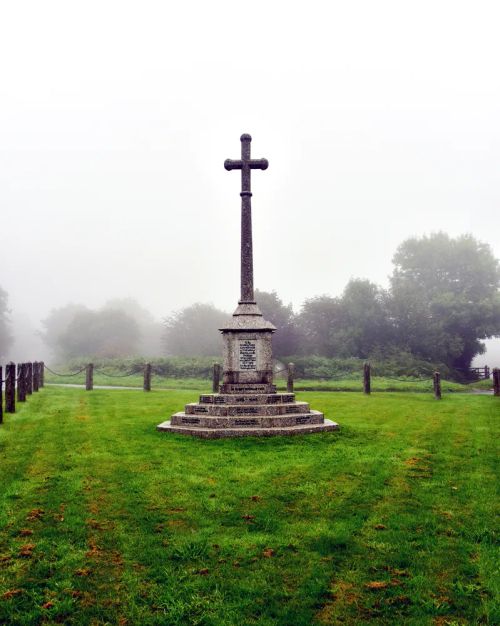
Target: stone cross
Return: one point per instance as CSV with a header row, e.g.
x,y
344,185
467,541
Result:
x,y
245,164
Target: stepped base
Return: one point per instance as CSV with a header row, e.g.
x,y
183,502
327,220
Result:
x,y
250,431
238,421
246,410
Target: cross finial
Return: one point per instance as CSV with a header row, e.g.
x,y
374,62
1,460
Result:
x,y
245,164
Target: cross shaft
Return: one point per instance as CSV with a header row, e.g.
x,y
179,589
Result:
x,y
245,164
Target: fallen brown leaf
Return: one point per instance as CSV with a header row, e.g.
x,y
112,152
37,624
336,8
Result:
x,y
400,572
35,514
377,584
27,549
11,593
412,461
400,600
95,524
25,532
48,605
268,553
83,571
94,551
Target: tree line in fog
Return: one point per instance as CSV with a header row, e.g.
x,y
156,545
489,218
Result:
x,y
443,299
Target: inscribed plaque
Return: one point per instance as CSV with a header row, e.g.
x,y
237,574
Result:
x,y
248,355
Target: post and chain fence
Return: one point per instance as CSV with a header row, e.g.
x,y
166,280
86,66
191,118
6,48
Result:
x,y
30,378
20,380
90,369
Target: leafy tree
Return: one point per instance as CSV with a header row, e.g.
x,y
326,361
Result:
x,y
354,325
317,323
5,336
285,341
150,343
106,333
364,325
445,297
194,331
74,331
55,325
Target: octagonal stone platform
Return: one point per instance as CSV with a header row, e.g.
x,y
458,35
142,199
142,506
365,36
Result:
x,y
240,415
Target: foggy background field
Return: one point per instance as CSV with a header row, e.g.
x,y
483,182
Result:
x,y
380,121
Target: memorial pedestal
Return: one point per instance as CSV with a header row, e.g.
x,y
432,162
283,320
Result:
x,y
247,403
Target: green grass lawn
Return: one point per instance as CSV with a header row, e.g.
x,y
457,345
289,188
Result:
x,y
103,520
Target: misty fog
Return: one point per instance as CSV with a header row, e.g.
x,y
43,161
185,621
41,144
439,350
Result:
x,y
379,120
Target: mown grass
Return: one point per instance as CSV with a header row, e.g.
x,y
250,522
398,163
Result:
x,y
347,384
485,384
135,380
378,383
103,520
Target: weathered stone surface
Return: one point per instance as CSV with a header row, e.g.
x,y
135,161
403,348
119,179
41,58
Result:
x,y
246,164
255,431
245,421
265,388
247,409
271,398
247,322
247,356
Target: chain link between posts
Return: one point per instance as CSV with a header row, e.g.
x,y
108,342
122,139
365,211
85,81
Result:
x,y
98,371
404,380
64,375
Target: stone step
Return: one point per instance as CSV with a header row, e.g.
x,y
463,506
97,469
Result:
x,y
194,408
217,433
263,398
260,421
247,388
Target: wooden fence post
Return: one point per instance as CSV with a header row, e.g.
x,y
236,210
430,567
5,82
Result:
x,y
367,380
437,385
89,377
1,394
496,381
216,378
486,372
21,383
290,377
147,377
10,388
29,378
41,380
35,375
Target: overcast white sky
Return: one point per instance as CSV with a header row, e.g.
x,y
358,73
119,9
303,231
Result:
x,y
380,120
